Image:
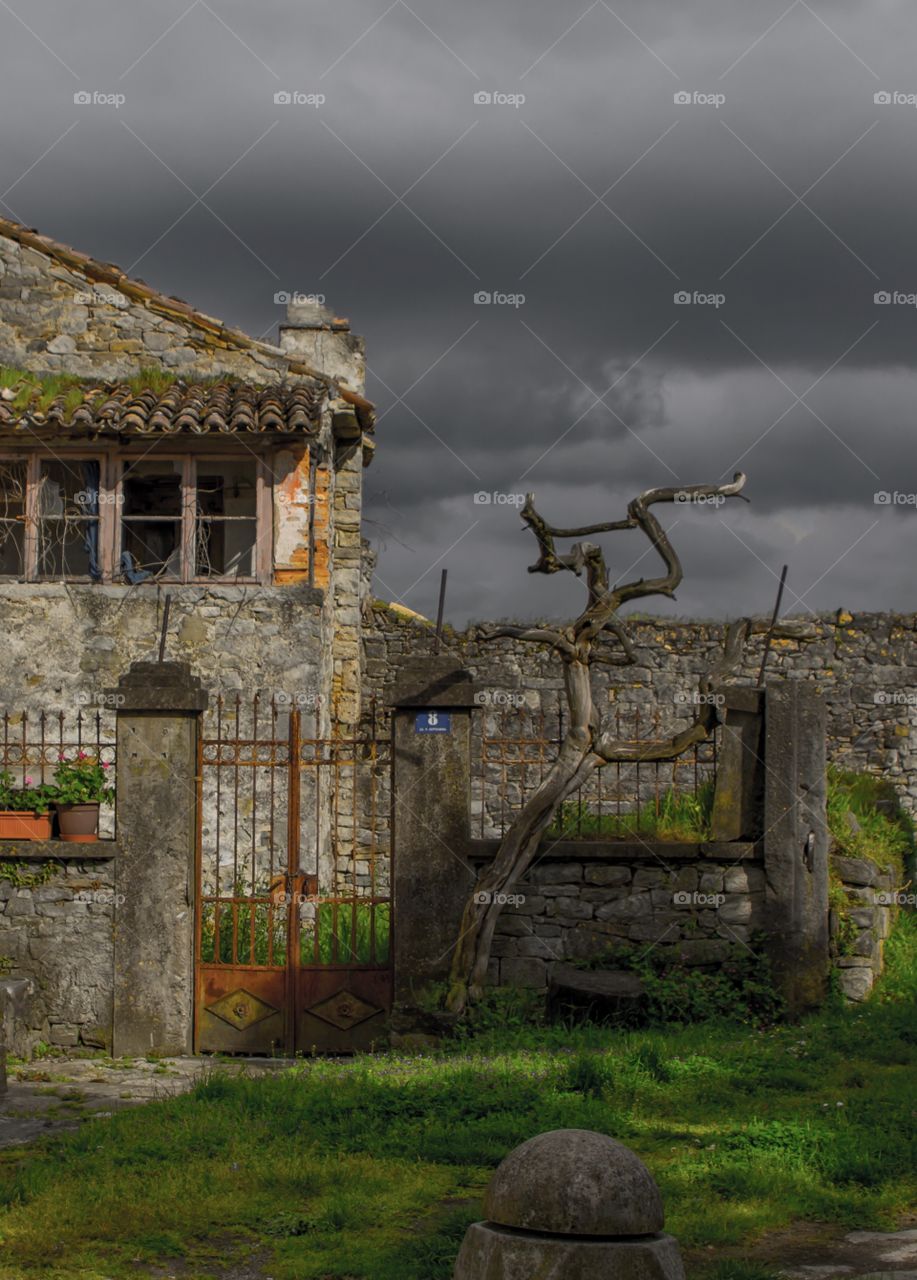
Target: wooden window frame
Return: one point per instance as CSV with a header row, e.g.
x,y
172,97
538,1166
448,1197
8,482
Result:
x,y
111,459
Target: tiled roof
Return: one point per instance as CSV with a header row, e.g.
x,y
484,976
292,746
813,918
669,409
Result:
x,y
178,310
226,406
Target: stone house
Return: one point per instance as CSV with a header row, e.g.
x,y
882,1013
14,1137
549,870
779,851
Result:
x,y
167,480
146,449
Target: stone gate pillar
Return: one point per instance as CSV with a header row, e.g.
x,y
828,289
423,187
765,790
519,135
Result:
x,y
431,818
796,841
158,720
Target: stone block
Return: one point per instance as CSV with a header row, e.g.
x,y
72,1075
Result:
x,y
612,876
650,878
633,907
20,906
573,908
62,345
856,984
63,1035
686,880
556,873
539,947
736,910
854,870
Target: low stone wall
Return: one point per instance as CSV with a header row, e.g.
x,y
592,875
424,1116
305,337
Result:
x,y
861,917
56,928
693,902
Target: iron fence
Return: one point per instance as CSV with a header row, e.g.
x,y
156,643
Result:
x,y
34,743
514,748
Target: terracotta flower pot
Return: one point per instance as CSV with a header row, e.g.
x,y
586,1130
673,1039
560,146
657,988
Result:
x,y
23,825
78,823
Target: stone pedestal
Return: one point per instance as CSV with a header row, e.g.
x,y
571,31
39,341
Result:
x,y
432,779
159,708
573,1205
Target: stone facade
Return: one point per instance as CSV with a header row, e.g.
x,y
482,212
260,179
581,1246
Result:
x,y
59,319
66,646
62,312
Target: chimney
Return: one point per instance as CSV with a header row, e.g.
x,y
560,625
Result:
x,y
315,335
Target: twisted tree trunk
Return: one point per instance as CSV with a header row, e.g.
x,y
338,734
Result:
x,y
585,747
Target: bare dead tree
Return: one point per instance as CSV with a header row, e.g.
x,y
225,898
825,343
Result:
x,y
586,746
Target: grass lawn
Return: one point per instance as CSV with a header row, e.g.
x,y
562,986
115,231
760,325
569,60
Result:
x,y
373,1168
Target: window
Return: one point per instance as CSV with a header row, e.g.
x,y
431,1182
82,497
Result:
x,y
152,517
67,511
189,518
12,519
151,521
226,526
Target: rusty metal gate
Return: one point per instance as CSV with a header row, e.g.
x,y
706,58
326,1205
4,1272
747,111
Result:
x,y
293,929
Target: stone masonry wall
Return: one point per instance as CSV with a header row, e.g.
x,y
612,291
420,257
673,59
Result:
x,y
866,664
59,933
65,645
52,319
860,925
572,908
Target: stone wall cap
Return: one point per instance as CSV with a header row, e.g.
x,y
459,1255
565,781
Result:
x,y
433,681
160,686
743,698
575,1182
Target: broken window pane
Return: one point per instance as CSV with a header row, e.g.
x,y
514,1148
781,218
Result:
x,y
151,519
12,519
226,519
68,519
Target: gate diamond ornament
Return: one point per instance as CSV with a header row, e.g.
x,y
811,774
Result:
x,y
343,1010
241,1009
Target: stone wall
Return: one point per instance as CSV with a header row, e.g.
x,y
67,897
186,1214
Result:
x,y
694,907
866,665
66,645
58,931
864,903
54,319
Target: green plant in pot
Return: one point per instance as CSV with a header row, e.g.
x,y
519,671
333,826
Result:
x,y
24,810
81,786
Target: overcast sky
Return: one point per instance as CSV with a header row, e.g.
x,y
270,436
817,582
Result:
x,y
583,197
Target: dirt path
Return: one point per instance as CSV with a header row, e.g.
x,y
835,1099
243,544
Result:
x,y
62,1093
824,1251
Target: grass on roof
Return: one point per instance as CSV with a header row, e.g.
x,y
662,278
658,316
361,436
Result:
x,y
35,392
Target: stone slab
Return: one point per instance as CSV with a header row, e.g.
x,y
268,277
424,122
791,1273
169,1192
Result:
x,y
608,995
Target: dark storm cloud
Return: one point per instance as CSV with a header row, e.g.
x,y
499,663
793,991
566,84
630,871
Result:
x,y
598,199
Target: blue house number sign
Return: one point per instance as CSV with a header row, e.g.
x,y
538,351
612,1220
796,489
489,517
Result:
x,y
433,722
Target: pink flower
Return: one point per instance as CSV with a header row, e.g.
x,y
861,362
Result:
x,y
105,765
26,782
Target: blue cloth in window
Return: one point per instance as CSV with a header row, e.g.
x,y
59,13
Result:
x,y
130,571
